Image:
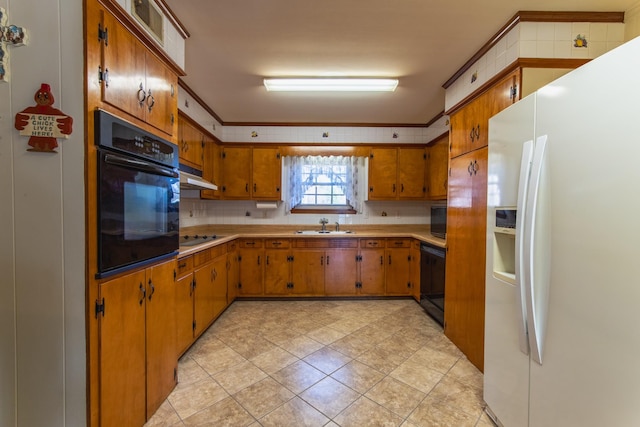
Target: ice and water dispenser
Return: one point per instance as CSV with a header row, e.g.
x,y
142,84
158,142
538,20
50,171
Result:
x,y
504,244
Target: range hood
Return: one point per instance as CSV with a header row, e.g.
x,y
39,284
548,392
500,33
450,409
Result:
x,y
190,181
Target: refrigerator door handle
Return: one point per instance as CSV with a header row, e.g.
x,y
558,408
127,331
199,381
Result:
x,y
536,252
523,187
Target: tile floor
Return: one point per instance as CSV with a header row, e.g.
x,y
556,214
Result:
x,y
324,363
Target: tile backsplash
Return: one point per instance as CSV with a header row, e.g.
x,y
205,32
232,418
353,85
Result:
x,y
194,212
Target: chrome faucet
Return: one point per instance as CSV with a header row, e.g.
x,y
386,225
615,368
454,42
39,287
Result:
x,y
337,226
324,222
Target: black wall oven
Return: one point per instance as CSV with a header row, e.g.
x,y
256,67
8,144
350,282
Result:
x,y
138,196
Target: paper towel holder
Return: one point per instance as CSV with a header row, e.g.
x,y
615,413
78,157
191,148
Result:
x,y
267,205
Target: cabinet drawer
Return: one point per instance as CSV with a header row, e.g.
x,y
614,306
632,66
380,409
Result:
x,y
185,265
217,251
311,243
398,243
372,243
277,243
343,243
201,257
232,246
251,243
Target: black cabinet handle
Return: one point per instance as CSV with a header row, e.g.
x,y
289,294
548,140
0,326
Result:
x,y
153,289
143,290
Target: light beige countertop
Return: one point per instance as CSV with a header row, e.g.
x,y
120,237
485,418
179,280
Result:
x,y
227,233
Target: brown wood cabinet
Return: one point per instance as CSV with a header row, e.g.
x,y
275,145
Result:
x,y
210,277
466,217
133,79
251,173
371,278
251,262
185,296
138,361
233,275
212,167
190,144
397,173
277,276
398,267
437,168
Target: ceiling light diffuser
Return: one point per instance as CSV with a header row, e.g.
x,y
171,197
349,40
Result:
x,y
331,84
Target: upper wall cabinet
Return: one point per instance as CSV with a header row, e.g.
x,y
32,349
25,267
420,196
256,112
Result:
x,y
190,144
397,173
133,79
251,173
437,168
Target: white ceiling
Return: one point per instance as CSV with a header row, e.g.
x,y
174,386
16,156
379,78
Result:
x,y
234,44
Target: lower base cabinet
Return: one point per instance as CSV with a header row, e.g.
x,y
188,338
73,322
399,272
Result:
x,y
138,362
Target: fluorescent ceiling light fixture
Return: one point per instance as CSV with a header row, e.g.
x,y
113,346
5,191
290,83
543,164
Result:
x,y
323,84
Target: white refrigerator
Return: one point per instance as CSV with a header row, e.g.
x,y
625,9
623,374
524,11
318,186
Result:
x,y
562,325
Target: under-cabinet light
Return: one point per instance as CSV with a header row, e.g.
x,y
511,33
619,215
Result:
x,y
331,85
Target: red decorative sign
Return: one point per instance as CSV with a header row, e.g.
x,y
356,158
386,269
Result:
x,y
43,123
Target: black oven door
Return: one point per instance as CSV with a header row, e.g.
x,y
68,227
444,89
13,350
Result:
x,y
138,209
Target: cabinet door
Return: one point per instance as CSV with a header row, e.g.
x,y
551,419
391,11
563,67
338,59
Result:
x,y
372,271
437,167
383,173
161,102
398,271
415,270
122,351
503,94
277,272
184,313
219,284
233,274
308,272
465,266
162,360
204,297
236,173
251,272
211,167
469,128
267,175
190,141
123,67
412,173
340,271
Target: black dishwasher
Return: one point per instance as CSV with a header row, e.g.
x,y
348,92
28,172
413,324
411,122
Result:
x,y
432,273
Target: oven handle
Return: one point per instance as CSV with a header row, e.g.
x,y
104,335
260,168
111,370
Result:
x,y
140,165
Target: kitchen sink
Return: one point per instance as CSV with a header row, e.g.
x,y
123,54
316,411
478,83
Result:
x,y
320,232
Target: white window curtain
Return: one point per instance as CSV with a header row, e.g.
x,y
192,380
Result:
x,y
297,188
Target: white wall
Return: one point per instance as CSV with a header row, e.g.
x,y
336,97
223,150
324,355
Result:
x,y
42,256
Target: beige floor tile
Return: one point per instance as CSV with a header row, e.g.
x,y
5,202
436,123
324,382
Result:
x,y
461,396
219,360
226,413
246,369
466,373
296,413
325,335
191,398
329,396
239,376
327,360
383,359
252,346
189,371
298,376
364,412
431,413
263,397
301,346
434,359
352,346
274,360
396,396
165,416
358,376
424,379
